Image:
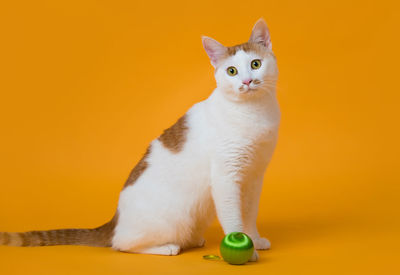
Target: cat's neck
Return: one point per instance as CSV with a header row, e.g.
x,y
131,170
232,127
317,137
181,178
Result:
x,y
264,104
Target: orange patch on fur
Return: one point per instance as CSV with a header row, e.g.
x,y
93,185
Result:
x,y
138,169
174,137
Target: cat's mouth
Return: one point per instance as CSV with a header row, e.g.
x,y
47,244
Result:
x,y
247,89
250,88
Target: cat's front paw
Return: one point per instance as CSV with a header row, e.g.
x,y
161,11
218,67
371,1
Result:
x,y
255,256
261,243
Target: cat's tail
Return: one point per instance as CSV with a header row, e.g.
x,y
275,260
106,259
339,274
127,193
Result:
x,y
100,236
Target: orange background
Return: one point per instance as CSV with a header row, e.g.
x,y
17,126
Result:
x,y
86,85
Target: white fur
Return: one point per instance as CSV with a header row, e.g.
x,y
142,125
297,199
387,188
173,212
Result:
x,y
230,140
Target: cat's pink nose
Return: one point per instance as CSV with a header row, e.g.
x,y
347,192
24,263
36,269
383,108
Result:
x,y
247,81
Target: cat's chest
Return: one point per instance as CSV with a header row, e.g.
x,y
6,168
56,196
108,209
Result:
x,y
231,124
249,127
245,148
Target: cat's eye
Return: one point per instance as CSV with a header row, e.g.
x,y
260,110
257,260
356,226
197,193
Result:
x,y
232,71
256,64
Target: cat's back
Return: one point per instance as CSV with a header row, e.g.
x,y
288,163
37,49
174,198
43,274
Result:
x,y
171,188
175,165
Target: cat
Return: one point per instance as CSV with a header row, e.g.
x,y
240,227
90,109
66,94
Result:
x,y
211,162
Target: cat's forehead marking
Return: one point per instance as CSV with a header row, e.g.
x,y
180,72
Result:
x,y
247,47
174,137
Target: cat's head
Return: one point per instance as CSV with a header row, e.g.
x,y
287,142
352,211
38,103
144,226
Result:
x,y
246,70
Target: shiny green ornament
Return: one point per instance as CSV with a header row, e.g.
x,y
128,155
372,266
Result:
x,y
236,248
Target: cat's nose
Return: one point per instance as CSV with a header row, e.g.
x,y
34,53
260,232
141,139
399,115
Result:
x,y
247,81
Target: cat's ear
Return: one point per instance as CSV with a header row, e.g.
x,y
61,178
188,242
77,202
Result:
x,y
260,34
214,49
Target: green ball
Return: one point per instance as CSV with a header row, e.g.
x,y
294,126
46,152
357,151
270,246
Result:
x,y
236,248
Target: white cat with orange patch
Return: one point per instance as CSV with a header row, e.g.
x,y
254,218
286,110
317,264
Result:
x,y
212,161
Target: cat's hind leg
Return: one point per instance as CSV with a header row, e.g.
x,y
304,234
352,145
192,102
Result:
x,y
167,250
196,243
